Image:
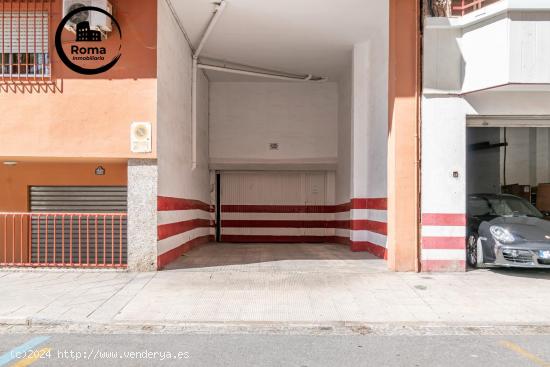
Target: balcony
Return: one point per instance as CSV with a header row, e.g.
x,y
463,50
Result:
x,y
462,7
500,46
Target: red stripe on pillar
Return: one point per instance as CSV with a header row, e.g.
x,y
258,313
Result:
x,y
438,219
444,265
444,243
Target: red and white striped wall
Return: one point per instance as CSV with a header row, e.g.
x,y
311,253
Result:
x,y
361,224
443,242
182,225
369,225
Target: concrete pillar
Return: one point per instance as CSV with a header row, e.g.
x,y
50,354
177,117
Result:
x,y
142,214
403,137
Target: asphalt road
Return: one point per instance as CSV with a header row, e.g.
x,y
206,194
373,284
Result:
x,y
272,350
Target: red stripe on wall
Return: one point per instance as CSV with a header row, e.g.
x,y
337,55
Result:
x,y
171,255
370,203
438,219
369,225
344,224
236,238
444,243
443,265
356,224
165,203
374,249
172,229
226,208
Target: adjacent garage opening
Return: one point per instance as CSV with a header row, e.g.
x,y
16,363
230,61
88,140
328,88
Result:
x,y
506,155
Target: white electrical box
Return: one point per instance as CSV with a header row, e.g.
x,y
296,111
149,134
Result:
x,y
141,137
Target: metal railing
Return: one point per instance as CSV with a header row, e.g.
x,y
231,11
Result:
x,y
463,7
63,240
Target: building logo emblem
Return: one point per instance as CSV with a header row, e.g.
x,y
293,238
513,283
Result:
x,y
91,51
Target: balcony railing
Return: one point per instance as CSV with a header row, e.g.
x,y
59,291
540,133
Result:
x,y
463,7
80,240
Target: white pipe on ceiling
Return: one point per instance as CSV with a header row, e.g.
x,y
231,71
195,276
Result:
x,y
308,77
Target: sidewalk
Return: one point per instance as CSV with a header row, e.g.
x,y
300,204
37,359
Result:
x,y
276,293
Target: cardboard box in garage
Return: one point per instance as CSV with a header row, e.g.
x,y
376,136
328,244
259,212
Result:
x,y
523,191
543,197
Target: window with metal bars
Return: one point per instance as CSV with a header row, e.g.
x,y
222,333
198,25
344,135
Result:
x,y
24,44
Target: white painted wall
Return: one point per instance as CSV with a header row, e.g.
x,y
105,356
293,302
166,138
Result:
x,y
369,119
529,51
176,176
527,156
503,45
245,117
444,144
343,170
443,152
484,44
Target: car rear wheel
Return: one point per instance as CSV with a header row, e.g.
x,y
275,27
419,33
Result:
x,y
472,251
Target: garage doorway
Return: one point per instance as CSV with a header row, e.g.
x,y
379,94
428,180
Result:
x,y
507,155
510,155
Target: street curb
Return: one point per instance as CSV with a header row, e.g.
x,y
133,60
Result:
x,y
20,325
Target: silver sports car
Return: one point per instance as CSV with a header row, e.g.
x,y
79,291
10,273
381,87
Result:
x,y
506,230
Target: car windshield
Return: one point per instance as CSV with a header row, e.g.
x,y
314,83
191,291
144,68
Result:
x,y
501,206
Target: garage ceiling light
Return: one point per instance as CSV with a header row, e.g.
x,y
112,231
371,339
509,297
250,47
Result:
x,y
10,163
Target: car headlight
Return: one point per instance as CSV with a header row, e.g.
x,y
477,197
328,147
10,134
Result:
x,y
501,234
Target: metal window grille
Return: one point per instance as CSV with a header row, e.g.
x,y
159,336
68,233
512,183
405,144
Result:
x,y
25,40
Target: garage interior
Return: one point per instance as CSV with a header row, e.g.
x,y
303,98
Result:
x,y
272,132
510,157
507,155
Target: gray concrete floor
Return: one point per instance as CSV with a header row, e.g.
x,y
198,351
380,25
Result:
x,y
277,257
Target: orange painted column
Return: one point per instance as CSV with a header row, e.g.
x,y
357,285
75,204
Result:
x,y
403,136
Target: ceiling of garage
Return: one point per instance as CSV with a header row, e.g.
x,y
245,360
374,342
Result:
x,y
295,36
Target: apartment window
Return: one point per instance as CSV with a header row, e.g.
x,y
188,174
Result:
x,y
25,44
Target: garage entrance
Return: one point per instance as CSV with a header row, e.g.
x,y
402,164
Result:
x,y
507,158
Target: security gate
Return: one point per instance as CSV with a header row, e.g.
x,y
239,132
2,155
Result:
x,y
78,225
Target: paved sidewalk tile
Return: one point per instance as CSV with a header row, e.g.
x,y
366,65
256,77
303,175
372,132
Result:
x,y
277,284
